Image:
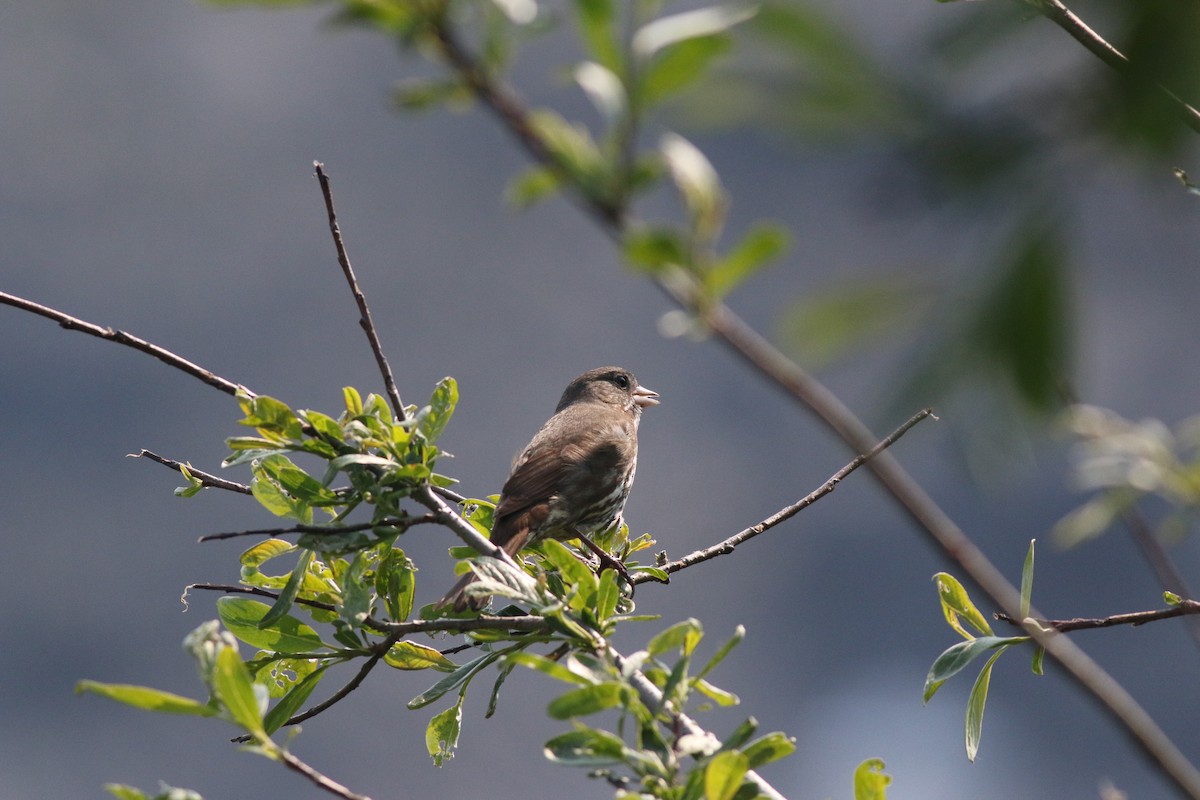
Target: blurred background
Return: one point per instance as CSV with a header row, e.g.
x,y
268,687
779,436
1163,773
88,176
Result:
x,y
968,193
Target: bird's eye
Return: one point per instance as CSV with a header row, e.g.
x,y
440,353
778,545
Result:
x,y
621,380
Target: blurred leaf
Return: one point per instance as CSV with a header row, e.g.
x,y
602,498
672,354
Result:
x,y
698,185
146,698
827,324
531,186
678,66
413,656
441,736
597,26
585,700
975,704
652,249
870,782
1039,656
571,144
603,88
669,30
761,244
243,618
724,775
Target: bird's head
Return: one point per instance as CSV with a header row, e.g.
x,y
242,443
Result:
x,y
610,385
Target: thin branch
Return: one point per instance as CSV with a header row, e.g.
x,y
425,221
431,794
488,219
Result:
x,y
321,781
652,697
205,478
127,339
364,320
787,512
1078,30
1168,575
1135,618
445,515
401,523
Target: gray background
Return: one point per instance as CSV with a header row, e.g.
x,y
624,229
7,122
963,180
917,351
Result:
x,y
156,177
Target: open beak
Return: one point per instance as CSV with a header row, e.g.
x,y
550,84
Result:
x,y
644,397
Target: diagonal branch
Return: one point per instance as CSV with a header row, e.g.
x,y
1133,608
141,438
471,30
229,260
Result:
x,y
205,478
1135,618
364,320
787,512
400,524
127,339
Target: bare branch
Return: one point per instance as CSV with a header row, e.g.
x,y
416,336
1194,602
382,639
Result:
x,y
205,478
400,523
127,339
1185,608
787,512
364,320
445,515
322,782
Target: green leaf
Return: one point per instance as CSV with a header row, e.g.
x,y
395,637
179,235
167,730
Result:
x,y
433,418
243,618
608,595
763,243
413,656
739,633
741,734
235,691
975,704
956,603
291,589
954,658
441,735
1027,581
146,698
1039,655
870,782
357,595
684,635
714,693
555,669
669,30
574,572
766,749
597,28
679,66
571,144
353,401
604,89
273,418
586,700
653,249
274,499
1172,599
123,792
395,582
586,747
531,186
264,551
724,775
290,703
699,187
452,681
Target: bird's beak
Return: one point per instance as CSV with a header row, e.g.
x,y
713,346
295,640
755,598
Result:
x,y
644,397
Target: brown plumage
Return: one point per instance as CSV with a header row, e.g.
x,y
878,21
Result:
x,y
573,478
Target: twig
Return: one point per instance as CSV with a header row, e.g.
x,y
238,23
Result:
x,y
445,515
652,696
777,368
127,339
364,320
727,546
1185,608
205,478
1078,30
1168,575
403,523
321,781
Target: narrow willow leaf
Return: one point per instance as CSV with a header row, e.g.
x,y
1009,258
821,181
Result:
x,y
870,781
452,681
957,603
652,249
766,749
412,656
235,691
666,31
587,747
1039,656
714,693
531,186
432,419
761,245
441,736
287,596
243,618
597,26
741,734
146,698
679,66
739,633
586,700
607,596
603,88
683,635
724,774
290,703
555,669
975,705
1027,581
353,401
954,658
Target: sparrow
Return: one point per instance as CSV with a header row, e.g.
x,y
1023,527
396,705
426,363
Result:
x,y
573,478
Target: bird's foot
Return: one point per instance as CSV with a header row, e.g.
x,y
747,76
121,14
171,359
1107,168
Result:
x,y
608,562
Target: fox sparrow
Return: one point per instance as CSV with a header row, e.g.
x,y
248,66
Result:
x,y
573,478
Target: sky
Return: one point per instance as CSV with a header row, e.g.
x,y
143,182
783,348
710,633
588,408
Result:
x,y
158,178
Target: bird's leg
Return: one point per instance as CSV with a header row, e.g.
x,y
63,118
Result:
x,y
608,562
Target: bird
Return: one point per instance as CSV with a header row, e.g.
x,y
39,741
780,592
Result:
x,y
573,478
